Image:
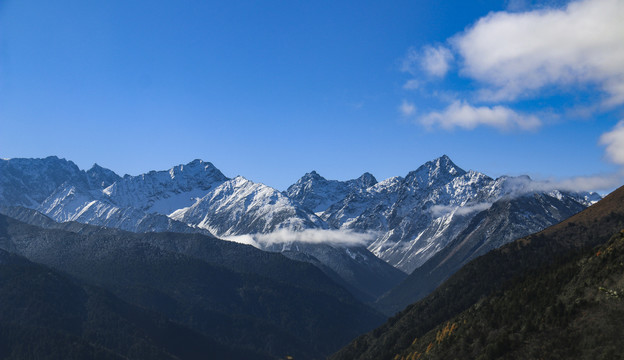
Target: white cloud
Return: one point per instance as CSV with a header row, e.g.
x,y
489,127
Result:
x,y
242,239
518,53
436,60
310,236
515,186
411,84
407,108
614,142
463,115
410,62
441,210
517,5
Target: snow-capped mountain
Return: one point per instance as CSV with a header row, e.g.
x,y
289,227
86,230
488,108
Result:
x,y
134,203
73,202
508,218
418,215
164,192
100,178
240,206
28,182
413,217
316,193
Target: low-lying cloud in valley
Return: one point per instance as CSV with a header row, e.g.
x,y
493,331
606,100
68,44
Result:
x,y
311,236
441,210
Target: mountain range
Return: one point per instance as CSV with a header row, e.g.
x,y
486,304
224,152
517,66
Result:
x,y
93,264
365,234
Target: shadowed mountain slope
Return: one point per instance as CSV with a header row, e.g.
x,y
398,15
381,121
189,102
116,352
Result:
x,y
49,315
231,293
505,221
489,273
572,309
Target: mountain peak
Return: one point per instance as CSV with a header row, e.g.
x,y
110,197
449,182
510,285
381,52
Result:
x,y
197,167
312,175
367,179
198,163
435,172
100,177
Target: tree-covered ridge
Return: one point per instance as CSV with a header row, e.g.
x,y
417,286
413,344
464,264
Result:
x,y
572,310
232,294
45,314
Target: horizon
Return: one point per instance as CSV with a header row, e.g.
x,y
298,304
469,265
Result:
x,y
276,90
538,185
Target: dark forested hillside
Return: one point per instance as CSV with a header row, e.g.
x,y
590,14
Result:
x,y
45,314
570,310
233,294
490,273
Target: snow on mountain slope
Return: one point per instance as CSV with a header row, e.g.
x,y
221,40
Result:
x,y
76,202
240,206
100,178
164,192
27,182
420,214
506,220
316,193
415,216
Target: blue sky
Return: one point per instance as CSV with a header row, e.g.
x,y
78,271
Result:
x,y
273,89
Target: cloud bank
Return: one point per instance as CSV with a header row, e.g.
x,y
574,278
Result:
x,y
441,210
463,115
516,186
518,53
310,236
512,55
614,142
436,60
407,108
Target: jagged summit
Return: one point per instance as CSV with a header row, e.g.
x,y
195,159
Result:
x,y
167,190
197,168
241,206
367,179
317,194
311,176
435,172
99,177
415,216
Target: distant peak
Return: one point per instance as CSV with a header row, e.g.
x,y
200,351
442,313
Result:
x,y
367,179
98,168
439,170
444,159
366,175
196,163
312,175
197,167
444,162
